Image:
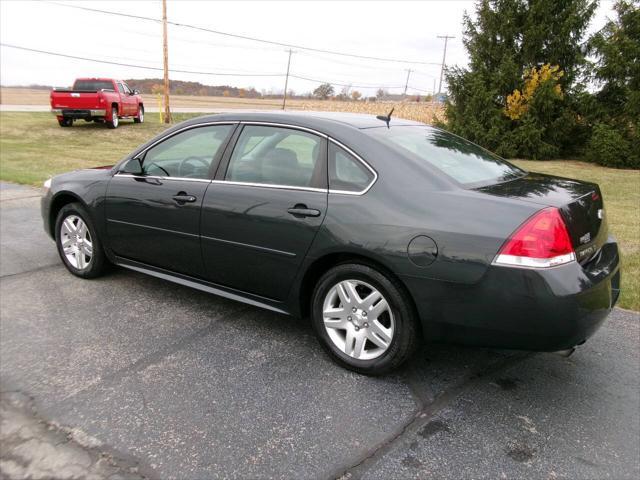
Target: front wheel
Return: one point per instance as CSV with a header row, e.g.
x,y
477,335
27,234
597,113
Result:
x,y
140,117
78,244
363,319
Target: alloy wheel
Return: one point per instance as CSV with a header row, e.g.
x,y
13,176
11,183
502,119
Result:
x,y
76,242
358,319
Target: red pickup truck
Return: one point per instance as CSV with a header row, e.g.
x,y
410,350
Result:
x,y
97,99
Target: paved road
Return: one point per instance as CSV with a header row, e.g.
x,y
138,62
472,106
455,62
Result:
x,y
166,382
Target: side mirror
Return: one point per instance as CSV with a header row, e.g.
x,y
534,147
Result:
x,y
136,92
133,166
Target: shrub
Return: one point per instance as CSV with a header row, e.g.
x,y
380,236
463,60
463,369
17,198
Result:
x,y
610,148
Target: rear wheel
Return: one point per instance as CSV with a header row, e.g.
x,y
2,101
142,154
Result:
x,y
140,117
78,244
363,319
65,122
114,122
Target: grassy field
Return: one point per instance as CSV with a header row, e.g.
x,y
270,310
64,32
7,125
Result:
x,y
33,147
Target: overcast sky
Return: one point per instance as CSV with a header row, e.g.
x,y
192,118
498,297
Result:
x,y
389,29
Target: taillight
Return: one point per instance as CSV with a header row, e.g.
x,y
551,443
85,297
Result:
x,y
542,241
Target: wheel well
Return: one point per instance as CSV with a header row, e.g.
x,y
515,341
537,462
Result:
x,y
60,201
321,265
114,105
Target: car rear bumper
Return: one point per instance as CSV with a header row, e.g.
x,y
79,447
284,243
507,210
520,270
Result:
x,y
79,113
531,309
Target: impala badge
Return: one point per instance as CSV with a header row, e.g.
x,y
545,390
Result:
x,y
586,238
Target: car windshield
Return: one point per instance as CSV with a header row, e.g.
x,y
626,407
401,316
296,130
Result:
x,y
93,85
465,162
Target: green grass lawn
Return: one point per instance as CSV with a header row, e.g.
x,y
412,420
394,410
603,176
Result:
x,y
33,147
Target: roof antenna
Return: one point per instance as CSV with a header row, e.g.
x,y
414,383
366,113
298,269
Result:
x,y
386,118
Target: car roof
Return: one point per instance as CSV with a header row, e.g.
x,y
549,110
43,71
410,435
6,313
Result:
x,y
310,118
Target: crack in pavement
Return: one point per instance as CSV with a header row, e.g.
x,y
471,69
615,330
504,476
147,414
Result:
x,y
35,270
424,414
20,198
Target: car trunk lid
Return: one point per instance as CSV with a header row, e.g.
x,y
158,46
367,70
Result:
x,y
580,204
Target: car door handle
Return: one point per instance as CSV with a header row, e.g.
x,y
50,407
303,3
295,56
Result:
x,y
303,211
184,198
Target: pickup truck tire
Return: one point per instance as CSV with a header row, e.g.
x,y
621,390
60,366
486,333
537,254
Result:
x,y
140,117
114,122
65,122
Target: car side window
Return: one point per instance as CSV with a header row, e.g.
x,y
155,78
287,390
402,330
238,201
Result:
x,y
120,88
126,89
188,154
346,173
277,156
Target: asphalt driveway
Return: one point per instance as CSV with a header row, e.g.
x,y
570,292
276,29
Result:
x,y
155,380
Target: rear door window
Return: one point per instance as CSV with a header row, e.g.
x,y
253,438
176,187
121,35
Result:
x,y
278,156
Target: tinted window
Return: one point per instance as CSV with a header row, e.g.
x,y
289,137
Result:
x,y
277,156
126,88
346,173
465,162
121,88
93,85
188,154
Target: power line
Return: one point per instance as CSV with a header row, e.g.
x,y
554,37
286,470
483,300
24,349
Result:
x,y
75,57
299,77
316,80
246,37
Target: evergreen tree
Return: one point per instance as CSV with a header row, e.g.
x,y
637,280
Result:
x,y
532,53
616,114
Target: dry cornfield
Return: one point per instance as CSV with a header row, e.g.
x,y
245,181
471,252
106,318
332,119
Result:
x,y
426,112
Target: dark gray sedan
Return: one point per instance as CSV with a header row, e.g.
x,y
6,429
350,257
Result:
x,y
382,232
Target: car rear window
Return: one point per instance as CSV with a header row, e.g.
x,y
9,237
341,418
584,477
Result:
x,y
463,161
92,85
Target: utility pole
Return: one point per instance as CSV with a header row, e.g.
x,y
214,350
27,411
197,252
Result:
x,y
406,84
444,56
165,50
286,81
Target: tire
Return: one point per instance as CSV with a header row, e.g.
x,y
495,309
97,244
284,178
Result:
x,y
65,122
77,258
114,122
350,326
140,117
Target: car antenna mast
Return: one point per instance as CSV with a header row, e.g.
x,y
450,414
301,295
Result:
x,y
386,118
